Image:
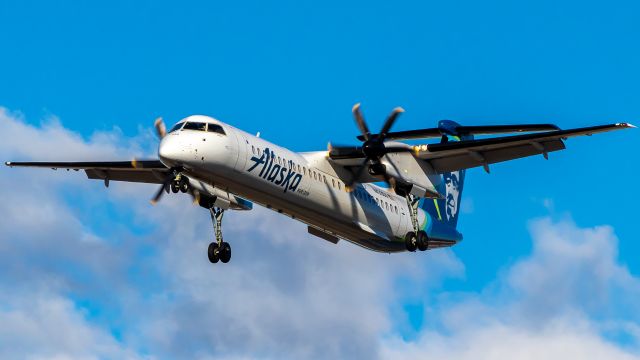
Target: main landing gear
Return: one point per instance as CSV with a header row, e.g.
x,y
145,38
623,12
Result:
x,y
416,239
218,250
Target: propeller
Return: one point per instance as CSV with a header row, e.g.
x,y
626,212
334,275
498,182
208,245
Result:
x,y
372,149
164,187
161,129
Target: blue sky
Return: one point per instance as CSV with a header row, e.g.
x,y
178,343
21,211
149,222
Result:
x,y
292,71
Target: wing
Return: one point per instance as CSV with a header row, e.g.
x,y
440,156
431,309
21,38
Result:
x,y
475,130
458,155
143,171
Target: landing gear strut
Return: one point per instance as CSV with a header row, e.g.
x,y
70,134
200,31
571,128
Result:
x,y
218,250
416,239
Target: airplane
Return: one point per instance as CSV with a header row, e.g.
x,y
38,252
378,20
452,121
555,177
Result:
x,y
335,192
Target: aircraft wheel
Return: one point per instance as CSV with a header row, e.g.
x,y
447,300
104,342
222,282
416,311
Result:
x,y
225,252
183,184
423,241
175,187
410,241
213,253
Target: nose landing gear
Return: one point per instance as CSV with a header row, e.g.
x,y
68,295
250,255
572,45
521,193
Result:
x,y
180,183
218,250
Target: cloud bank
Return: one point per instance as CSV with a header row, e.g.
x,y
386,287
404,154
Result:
x,y
89,272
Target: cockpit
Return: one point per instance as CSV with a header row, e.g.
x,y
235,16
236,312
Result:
x,y
198,126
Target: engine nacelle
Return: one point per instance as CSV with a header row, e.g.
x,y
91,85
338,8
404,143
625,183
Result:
x,y
211,196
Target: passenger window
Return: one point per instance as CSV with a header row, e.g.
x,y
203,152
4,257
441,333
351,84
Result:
x,y
176,127
215,128
333,182
253,149
339,186
195,126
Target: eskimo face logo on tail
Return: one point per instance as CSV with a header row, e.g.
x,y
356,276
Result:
x,y
274,173
452,185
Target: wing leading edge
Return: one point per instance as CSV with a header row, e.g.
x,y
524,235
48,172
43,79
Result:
x,y
143,171
453,156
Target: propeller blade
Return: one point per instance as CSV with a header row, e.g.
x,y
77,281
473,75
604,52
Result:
x,y
357,174
161,129
389,122
390,181
195,194
163,187
362,125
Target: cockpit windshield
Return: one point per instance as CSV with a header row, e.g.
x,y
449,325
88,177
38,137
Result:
x,y
199,126
176,127
215,128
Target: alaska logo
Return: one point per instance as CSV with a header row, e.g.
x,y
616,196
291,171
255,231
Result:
x,y
274,173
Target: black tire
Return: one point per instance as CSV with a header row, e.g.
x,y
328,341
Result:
x,y
225,252
212,253
183,184
410,241
175,187
423,241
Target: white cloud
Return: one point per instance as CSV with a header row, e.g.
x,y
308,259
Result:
x,y
47,255
45,326
558,303
285,294
561,339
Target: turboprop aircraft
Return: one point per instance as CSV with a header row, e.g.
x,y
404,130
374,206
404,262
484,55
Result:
x,y
333,191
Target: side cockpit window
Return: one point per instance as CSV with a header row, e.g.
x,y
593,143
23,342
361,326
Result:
x,y
176,127
215,128
195,126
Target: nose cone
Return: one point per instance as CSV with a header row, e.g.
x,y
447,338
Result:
x,y
168,151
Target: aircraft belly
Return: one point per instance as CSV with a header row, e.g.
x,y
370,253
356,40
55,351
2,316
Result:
x,y
311,210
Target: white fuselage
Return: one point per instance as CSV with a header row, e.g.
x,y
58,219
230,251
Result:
x,y
303,186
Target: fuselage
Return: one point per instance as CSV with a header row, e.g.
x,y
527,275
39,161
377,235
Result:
x,y
303,186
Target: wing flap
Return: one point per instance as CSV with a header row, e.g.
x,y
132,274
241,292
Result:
x,y
469,159
142,176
